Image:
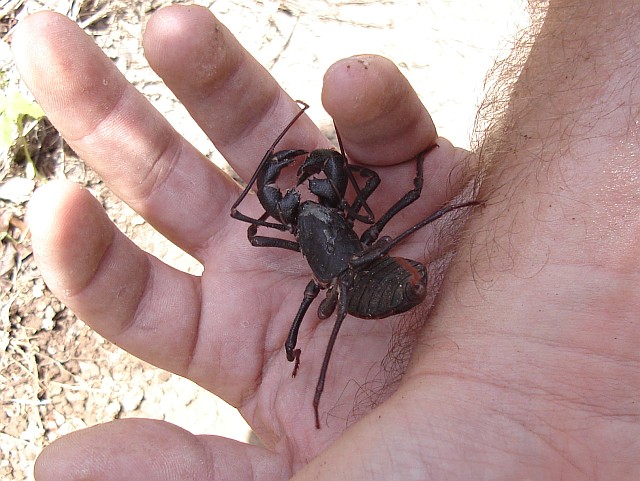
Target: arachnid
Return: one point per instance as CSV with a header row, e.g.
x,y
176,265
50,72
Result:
x,y
359,275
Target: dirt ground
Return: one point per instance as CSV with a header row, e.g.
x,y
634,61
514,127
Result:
x,y
56,375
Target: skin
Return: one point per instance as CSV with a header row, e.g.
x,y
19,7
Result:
x,y
528,367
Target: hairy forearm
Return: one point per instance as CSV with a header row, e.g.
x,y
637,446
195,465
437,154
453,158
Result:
x,y
555,135
567,128
577,84
544,277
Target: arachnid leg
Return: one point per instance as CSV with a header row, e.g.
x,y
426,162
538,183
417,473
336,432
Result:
x,y
371,234
372,183
293,354
328,304
267,156
386,243
263,241
342,312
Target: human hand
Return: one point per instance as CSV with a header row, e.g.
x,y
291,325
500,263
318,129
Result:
x,y
528,368
225,330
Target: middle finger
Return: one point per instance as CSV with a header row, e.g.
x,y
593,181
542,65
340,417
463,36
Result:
x,y
233,98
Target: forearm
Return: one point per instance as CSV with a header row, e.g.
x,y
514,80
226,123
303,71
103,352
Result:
x,y
566,131
577,86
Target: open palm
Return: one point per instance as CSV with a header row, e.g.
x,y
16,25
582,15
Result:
x,y
226,329
529,365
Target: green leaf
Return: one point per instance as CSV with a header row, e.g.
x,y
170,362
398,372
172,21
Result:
x,y
12,110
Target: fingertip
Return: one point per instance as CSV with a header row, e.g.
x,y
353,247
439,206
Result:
x,y
353,88
182,58
70,77
32,41
379,115
70,233
31,28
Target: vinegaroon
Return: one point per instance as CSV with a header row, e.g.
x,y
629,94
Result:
x,y
360,276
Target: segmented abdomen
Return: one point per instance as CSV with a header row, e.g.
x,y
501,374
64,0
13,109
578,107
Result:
x,y
387,286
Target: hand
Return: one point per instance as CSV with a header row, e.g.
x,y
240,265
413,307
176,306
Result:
x,y
528,368
225,330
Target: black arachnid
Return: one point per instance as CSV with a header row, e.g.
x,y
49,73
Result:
x,y
360,276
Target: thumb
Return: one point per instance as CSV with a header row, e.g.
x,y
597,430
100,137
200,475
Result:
x,y
135,449
379,116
